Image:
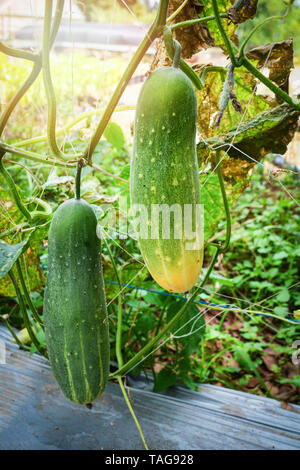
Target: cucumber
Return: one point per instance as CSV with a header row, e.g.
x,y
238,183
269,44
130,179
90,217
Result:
x,y
164,171
75,315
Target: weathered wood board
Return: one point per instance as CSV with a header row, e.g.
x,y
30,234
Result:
x,y
35,415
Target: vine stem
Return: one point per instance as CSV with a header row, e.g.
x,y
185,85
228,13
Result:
x,y
19,343
131,411
24,313
19,53
36,157
35,70
153,32
78,179
223,33
171,49
225,203
203,19
27,295
119,332
14,191
176,12
131,363
266,20
212,68
49,89
266,81
81,117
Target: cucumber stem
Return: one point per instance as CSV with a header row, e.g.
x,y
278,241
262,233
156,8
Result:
x,y
184,66
78,179
177,54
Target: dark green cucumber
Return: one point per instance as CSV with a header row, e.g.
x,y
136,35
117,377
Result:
x,y
75,315
164,171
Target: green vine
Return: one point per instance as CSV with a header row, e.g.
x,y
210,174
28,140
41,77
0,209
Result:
x,y
78,178
203,19
154,31
51,123
267,20
14,191
25,314
34,311
225,203
282,95
35,157
228,44
37,58
170,48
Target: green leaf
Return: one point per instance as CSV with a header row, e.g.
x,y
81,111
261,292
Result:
x,y
155,299
295,381
244,360
283,296
9,255
214,276
164,379
145,323
114,135
280,255
280,310
125,172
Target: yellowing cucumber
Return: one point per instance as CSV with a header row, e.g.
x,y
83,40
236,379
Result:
x,y
164,177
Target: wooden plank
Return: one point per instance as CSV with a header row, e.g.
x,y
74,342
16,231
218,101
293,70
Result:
x,y
35,415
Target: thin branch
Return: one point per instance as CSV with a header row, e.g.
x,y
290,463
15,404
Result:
x,y
24,314
266,20
19,53
35,70
203,19
36,157
154,31
132,412
223,33
14,191
271,85
81,117
176,12
131,363
225,202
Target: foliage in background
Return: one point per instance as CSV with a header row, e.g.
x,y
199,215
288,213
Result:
x,y
106,11
84,90
264,35
236,346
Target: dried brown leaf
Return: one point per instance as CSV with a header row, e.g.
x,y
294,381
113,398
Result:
x,y
242,11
